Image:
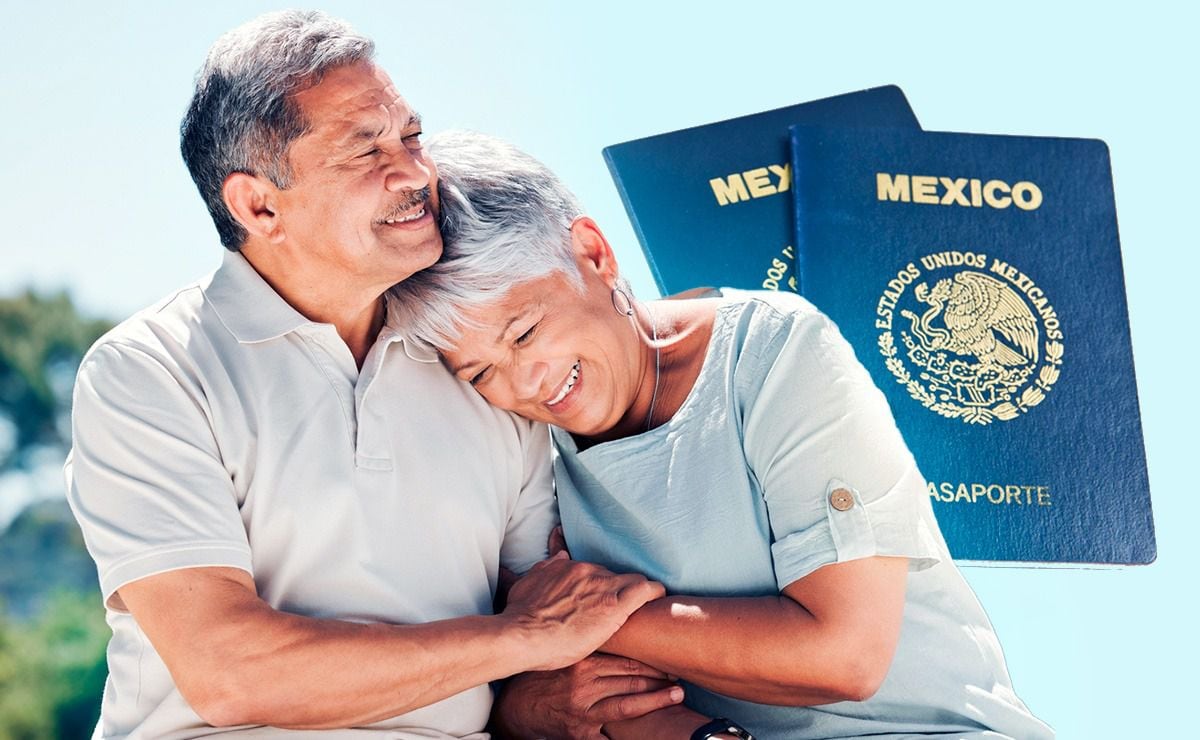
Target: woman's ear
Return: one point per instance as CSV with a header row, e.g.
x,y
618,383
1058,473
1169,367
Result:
x,y
592,250
251,200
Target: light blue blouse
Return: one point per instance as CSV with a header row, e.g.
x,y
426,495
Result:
x,y
744,491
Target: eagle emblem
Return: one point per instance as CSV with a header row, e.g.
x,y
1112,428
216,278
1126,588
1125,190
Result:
x,y
975,343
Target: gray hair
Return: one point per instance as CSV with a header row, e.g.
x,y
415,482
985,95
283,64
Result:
x,y
505,219
242,116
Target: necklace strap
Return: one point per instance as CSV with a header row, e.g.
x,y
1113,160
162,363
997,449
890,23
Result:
x,y
657,368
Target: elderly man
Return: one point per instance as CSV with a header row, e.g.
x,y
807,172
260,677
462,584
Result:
x,y
298,516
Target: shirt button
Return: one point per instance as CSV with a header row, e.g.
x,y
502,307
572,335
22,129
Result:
x,y
841,499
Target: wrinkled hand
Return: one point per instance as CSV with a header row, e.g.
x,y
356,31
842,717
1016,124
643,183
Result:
x,y
567,609
577,701
669,723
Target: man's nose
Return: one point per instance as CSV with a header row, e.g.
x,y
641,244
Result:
x,y
406,171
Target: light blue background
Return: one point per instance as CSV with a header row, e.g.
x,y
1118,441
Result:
x,y
94,197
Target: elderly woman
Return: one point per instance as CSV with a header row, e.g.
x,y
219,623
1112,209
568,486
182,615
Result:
x,y
733,449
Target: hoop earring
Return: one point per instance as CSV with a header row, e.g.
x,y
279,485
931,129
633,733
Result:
x,y
627,310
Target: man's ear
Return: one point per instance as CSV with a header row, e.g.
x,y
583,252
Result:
x,y
251,200
593,250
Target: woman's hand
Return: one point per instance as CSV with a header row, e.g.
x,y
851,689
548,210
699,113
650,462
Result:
x,y
577,701
672,723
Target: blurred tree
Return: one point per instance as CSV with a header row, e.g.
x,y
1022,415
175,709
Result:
x,y
52,670
42,339
42,551
52,629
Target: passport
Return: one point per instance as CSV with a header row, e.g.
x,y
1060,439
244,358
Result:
x,y
979,280
711,205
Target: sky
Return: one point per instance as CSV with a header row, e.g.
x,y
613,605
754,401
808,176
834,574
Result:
x,y
95,200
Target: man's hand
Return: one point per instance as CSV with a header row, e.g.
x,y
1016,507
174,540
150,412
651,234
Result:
x,y
567,609
577,701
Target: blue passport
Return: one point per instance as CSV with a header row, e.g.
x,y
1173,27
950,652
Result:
x,y
979,280
711,205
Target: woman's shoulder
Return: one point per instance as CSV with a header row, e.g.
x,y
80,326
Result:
x,y
770,302
755,334
760,319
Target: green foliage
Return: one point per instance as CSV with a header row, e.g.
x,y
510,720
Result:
x,y
52,630
52,670
42,338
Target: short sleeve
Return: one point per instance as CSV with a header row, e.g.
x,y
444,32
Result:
x,y
535,512
838,480
144,477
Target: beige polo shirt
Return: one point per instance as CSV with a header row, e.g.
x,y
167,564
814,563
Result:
x,y
222,428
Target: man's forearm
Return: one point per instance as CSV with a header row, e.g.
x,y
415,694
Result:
x,y
263,666
237,660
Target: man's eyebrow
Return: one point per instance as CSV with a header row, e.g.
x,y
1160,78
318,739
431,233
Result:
x,y
357,137
360,136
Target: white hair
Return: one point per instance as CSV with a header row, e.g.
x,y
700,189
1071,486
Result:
x,y
505,220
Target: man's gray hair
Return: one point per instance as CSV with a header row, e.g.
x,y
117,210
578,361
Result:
x,y
243,117
505,219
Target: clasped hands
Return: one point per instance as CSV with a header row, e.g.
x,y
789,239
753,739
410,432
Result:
x,y
580,693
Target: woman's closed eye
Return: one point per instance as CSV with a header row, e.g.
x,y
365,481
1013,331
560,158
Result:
x,y
520,341
480,376
524,338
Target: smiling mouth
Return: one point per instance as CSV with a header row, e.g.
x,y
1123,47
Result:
x,y
567,385
405,219
411,208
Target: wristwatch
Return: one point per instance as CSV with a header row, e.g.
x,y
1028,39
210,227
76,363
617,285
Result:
x,y
721,726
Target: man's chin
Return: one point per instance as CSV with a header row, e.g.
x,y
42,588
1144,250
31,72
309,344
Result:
x,y
418,256
435,254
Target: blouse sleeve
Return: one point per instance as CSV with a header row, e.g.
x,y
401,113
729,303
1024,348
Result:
x,y
838,480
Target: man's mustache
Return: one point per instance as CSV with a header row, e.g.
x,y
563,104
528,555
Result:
x,y
411,201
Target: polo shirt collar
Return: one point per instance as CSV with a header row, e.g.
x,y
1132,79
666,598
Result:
x,y
253,312
393,332
247,305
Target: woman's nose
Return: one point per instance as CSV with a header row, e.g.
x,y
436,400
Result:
x,y
529,379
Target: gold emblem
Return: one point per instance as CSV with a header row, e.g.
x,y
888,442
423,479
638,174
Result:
x,y
984,340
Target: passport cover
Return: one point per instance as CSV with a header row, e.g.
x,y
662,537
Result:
x,y
979,280
711,205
